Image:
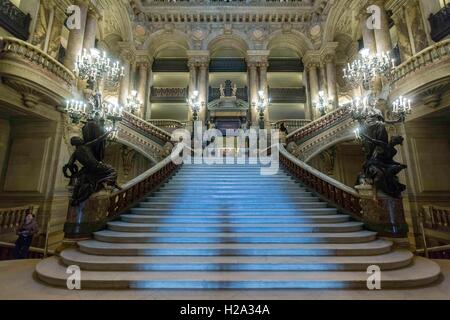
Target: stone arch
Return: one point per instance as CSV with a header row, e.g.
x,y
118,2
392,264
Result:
x,y
163,39
218,40
294,40
339,11
349,136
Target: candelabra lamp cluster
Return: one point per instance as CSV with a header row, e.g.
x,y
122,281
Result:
x,y
94,66
195,104
380,169
322,103
133,105
261,106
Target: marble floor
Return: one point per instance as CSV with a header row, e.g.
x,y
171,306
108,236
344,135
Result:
x,y
18,281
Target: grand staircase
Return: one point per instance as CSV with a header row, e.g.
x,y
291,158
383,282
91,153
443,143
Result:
x,y
227,226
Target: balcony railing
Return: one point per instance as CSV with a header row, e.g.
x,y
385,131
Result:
x,y
440,24
169,94
214,94
425,57
166,123
13,20
287,95
14,49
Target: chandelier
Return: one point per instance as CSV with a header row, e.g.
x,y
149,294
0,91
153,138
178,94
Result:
x,y
94,66
367,67
322,103
132,104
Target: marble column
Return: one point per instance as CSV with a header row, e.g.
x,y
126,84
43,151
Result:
x,y
90,30
142,66
202,89
51,19
331,80
404,40
253,85
382,35
133,71
264,86
308,111
367,34
417,28
192,84
313,86
126,57
76,38
148,108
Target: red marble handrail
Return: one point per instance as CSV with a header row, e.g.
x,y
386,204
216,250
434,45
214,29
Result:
x,y
340,195
129,196
319,125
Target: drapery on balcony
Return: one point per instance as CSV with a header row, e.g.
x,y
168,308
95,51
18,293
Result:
x,y
160,94
440,24
13,20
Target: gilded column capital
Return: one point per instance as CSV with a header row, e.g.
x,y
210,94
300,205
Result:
x,y
198,58
143,60
127,52
257,57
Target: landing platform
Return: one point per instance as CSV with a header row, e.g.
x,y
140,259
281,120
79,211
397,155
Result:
x,y
19,278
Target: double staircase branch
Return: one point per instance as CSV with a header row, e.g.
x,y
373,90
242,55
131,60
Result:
x,y
340,195
318,126
146,128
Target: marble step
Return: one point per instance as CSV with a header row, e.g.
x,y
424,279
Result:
x,y
232,237
388,261
243,228
235,249
196,204
218,199
235,212
234,193
419,273
218,185
234,219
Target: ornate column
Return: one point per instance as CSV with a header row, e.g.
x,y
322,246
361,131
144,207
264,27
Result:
x,y
91,28
253,88
263,65
254,60
199,68
367,34
312,62
126,56
51,18
143,63
192,82
404,39
382,35
148,109
329,60
76,37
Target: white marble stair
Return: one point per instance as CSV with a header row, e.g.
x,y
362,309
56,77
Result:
x,y
228,227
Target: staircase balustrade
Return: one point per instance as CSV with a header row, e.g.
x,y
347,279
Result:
x,y
104,206
12,218
435,228
291,124
320,125
340,195
167,123
146,128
